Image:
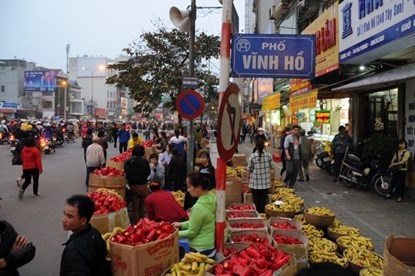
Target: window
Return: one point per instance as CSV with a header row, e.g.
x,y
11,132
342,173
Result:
x,y
3,88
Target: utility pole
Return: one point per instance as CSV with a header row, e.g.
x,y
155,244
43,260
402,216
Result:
x,y
68,47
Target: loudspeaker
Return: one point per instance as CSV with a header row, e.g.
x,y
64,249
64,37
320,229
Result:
x,y
180,18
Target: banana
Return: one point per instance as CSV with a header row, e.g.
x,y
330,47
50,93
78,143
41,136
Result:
x,y
311,231
321,244
320,211
363,257
355,241
344,230
193,263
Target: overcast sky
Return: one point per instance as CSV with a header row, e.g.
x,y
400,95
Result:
x,y
38,30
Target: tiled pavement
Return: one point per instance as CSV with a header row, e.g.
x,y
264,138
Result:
x,y
375,216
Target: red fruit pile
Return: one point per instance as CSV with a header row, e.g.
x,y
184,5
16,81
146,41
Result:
x,y
144,231
286,239
257,259
246,225
147,143
250,238
122,156
283,225
106,202
241,215
108,171
242,207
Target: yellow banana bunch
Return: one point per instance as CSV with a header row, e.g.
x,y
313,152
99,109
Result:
x,y
281,191
108,191
107,237
278,183
300,218
321,244
371,271
179,196
231,172
336,223
363,257
191,264
311,231
320,211
279,207
344,230
240,169
356,242
324,256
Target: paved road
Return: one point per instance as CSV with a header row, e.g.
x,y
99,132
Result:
x,y
39,218
375,216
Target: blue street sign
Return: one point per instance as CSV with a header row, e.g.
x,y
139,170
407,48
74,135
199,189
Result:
x,y
89,108
273,56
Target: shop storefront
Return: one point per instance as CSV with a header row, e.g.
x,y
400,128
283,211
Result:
x,y
272,116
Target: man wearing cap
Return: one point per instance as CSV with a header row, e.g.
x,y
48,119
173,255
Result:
x,y
95,158
161,205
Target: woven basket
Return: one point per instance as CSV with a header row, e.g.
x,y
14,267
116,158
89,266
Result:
x,y
275,213
319,221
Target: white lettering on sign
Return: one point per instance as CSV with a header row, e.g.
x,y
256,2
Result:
x,y
280,46
294,63
260,62
377,40
406,26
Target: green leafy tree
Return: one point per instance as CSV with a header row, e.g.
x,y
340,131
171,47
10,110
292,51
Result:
x,y
155,67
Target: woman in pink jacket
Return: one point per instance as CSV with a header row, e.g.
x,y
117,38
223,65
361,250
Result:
x,y
32,166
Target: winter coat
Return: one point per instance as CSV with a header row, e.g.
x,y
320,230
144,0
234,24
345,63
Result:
x,y
84,254
200,228
31,159
137,170
16,258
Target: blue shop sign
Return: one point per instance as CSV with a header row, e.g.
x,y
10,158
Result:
x,y
273,56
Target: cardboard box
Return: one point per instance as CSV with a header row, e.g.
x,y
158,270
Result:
x,y
290,221
117,165
299,250
106,223
233,193
234,223
231,215
244,185
398,256
149,259
239,159
116,183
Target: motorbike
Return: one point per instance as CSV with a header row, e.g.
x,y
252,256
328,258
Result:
x,y
13,143
355,173
324,159
47,145
4,138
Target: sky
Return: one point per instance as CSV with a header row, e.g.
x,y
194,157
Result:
x,y
39,30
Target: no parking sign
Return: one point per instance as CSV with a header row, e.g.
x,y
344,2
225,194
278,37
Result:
x,y
190,104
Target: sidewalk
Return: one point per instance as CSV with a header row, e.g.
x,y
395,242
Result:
x,y
375,216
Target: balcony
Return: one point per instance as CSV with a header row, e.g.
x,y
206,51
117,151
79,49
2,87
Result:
x,y
279,10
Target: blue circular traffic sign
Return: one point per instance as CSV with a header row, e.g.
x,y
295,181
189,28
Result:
x,y
190,104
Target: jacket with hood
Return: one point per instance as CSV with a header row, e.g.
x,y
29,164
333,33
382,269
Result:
x,y
31,159
137,170
200,228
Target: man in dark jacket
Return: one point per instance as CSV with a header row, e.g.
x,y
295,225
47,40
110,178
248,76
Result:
x,y
15,250
85,250
137,170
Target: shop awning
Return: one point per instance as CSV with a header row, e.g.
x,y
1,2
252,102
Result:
x,y
384,79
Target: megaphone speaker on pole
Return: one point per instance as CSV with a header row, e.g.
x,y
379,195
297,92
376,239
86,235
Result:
x,y
180,18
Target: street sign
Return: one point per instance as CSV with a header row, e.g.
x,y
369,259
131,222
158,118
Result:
x,y
229,122
273,56
190,82
189,104
89,108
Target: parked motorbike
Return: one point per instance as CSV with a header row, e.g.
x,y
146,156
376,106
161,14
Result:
x,y
324,159
356,173
13,143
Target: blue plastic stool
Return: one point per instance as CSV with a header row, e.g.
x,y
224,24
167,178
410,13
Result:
x,y
183,247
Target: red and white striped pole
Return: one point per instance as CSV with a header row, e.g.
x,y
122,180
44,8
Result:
x,y
225,51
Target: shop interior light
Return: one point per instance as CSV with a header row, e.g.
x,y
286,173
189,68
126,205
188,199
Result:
x,y
362,67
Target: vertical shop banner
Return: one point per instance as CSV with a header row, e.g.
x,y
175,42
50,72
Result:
x,y
271,102
325,27
306,100
124,106
323,116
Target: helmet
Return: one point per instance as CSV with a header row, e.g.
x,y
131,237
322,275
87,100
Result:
x,y
38,123
3,121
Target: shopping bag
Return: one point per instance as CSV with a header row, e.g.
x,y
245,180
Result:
x,y
276,156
